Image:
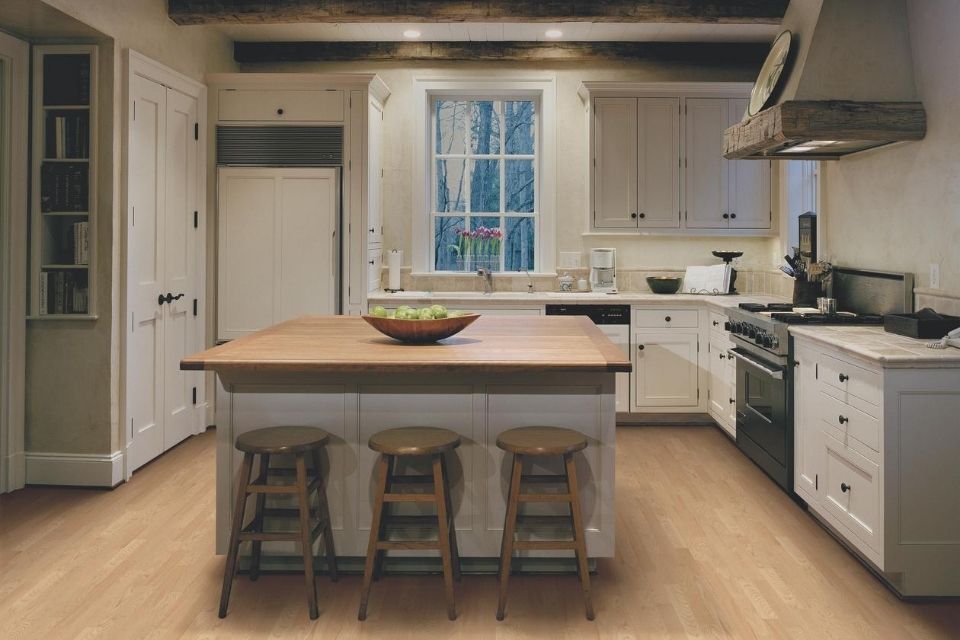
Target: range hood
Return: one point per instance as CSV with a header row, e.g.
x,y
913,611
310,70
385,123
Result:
x,y
848,85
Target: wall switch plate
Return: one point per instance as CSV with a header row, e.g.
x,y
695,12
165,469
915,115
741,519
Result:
x,y
569,260
934,275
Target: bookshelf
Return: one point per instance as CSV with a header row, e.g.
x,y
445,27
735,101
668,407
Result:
x,y
63,183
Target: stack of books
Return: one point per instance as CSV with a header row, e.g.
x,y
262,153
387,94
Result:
x,y
62,292
70,137
63,187
81,242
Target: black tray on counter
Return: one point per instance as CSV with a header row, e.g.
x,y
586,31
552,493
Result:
x,y
914,326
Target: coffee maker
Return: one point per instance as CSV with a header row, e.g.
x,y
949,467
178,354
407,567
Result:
x,y
603,270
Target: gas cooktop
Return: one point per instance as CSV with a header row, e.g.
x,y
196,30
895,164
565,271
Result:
x,y
790,314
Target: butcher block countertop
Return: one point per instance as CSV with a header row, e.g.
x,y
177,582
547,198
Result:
x,y
347,344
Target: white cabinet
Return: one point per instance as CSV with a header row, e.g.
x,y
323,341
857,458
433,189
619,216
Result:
x,y
636,163
306,105
807,445
721,395
720,193
666,369
278,246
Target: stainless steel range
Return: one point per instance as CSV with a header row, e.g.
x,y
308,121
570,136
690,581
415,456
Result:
x,y
764,354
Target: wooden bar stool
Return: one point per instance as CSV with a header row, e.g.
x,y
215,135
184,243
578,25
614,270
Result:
x,y
412,441
535,442
301,442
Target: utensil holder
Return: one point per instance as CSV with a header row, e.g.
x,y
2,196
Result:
x,y
806,292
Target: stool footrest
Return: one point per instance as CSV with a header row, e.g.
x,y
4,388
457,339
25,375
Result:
x,y
272,536
545,545
544,497
412,479
387,545
277,512
409,497
284,489
522,519
543,479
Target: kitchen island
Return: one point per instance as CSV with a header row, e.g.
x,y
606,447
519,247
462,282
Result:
x,y
339,374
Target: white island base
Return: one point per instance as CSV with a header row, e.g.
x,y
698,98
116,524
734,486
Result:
x,y
476,405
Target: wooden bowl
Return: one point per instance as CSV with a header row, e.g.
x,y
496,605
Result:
x,y
421,331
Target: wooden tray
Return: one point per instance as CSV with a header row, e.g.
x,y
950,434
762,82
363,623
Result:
x,y
421,331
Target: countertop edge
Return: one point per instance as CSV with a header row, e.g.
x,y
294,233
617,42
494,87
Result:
x,y
885,361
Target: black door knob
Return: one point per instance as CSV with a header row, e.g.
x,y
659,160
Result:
x,y
843,420
844,487
844,377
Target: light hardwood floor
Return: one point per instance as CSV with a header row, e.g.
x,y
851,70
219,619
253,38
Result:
x,y
706,547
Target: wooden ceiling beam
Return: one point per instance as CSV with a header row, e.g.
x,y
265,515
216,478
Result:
x,y
186,12
700,53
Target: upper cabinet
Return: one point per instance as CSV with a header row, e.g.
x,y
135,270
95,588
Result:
x,y
657,163
307,105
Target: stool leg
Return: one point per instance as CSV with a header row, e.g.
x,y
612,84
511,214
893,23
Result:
x,y
509,531
306,540
324,513
440,498
454,549
239,507
384,518
258,518
383,465
578,532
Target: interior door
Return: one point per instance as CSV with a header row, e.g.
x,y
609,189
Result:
x,y
707,181
145,271
179,246
659,162
615,157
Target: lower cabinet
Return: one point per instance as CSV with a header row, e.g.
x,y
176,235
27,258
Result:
x,y
722,392
666,369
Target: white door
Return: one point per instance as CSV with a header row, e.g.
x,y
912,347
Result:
x,y
749,183
707,181
163,249
615,158
808,451
278,252
658,162
665,369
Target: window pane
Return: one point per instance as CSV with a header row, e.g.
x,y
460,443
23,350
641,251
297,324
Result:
x,y
518,123
448,243
451,126
451,188
520,186
485,127
486,240
484,185
518,246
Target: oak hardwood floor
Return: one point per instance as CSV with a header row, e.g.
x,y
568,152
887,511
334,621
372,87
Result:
x,y
706,548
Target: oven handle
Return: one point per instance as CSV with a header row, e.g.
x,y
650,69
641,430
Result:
x,y
776,374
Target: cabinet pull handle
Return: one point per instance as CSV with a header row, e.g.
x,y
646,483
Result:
x,y
280,111
844,487
723,357
733,216
640,347
373,230
844,420
633,215
668,318
643,215
726,216
843,377
733,400
371,262
716,324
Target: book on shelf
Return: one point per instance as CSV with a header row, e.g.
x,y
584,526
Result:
x,y
62,293
43,292
68,136
81,242
63,187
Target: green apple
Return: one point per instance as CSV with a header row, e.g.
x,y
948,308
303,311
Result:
x,y
439,311
379,312
426,313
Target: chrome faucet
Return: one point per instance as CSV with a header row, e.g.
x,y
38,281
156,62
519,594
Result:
x,y
487,280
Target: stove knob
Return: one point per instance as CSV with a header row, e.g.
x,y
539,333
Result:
x,y
758,339
751,331
768,342
774,342
728,326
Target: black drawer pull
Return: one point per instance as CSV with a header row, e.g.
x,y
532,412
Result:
x,y
726,216
844,420
733,400
844,487
843,377
667,318
280,111
733,216
723,357
716,324
640,347
643,215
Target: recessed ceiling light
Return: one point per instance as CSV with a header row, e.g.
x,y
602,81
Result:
x,y
411,33
554,33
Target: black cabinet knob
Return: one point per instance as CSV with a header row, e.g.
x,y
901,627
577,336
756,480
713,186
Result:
x,y
844,487
668,318
844,377
716,324
640,347
723,357
633,215
843,420
371,263
726,216
733,215
733,400
280,111
373,230
643,215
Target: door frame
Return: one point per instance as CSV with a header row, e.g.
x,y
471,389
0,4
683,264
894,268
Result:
x,y
138,64
15,53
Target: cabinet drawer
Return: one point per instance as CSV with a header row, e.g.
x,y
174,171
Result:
x,y
374,263
281,106
851,379
666,318
850,421
852,493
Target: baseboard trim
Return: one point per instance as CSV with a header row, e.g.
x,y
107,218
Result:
x,y
651,419
75,469
14,466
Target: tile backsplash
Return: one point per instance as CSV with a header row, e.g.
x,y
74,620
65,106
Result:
x,y
937,300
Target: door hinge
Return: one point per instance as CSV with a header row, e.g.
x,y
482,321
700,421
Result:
x,y
350,165
133,216
134,109
196,219
196,130
686,165
816,481
816,371
698,395
194,395
195,306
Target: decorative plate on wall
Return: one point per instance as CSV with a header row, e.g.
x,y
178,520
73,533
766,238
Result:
x,y
770,73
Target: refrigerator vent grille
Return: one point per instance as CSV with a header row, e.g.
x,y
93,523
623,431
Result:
x,y
280,146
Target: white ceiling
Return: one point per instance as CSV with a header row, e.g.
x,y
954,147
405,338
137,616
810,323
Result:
x,y
481,32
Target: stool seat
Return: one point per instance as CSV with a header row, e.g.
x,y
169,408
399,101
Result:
x,y
280,440
414,441
541,441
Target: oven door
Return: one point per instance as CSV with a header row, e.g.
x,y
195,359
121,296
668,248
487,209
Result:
x,y
763,422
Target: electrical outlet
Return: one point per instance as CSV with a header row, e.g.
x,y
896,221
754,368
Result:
x,y
934,275
569,260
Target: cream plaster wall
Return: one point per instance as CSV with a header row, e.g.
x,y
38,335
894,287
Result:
x,y
73,367
898,208
572,142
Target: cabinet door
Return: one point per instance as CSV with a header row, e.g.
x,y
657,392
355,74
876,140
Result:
x,y
666,369
707,181
658,158
808,451
719,380
615,163
748,184
308,105
374,174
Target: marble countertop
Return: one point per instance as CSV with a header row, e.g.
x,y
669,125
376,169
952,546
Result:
x,y
873,343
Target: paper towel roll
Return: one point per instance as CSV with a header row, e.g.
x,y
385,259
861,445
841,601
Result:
x,y
394,260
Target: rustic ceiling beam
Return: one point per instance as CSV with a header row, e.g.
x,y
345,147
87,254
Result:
x,y
342,11
701,53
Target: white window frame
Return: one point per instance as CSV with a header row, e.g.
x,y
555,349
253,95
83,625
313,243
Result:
x,y
543,92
